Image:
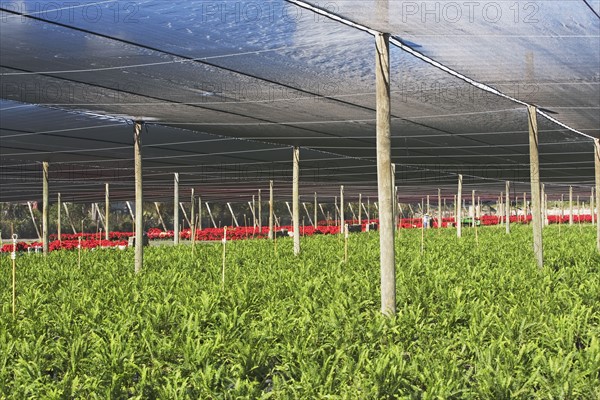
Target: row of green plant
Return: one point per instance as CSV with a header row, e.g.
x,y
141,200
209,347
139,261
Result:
x,y
476,319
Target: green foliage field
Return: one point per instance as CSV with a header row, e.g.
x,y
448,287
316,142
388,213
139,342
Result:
x,y
474,322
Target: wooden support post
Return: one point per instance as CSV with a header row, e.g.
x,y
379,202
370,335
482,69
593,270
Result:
x,y
199,212
185,214
577,206
45,224
459,207
365,210
473,207
597,181
139,197
106,212
192,217
69,218
253,210
534,169
296,199
160,218
385,183
439,208
307,214
315,207
342,207
232,215
58,227
428,209
352,210
99,217
176,208
130,212
271,232
360,208
507,207
570,205
259,210
325,215
210,215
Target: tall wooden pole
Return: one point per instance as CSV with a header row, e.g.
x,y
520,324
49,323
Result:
x,y
534,169
360,208
160,218
192,217
271,233
253,210
106,211
139,197
342,204
570,205
58,219
597,174
296,200
315,209
473,207
385,183
45,207
507,207
176,208
259,210
459,207
439,208
199,212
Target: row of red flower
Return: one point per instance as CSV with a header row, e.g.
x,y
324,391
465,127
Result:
x,y
63,245
93,240
92,236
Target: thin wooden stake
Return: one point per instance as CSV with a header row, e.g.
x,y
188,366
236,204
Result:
x,y
107,212
459,207
224,247
33,220
58,219
13,257
160,219
79,247
536,199
45,207
175,208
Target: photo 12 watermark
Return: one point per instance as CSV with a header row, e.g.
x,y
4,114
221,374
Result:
x,y
452,12
69,12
